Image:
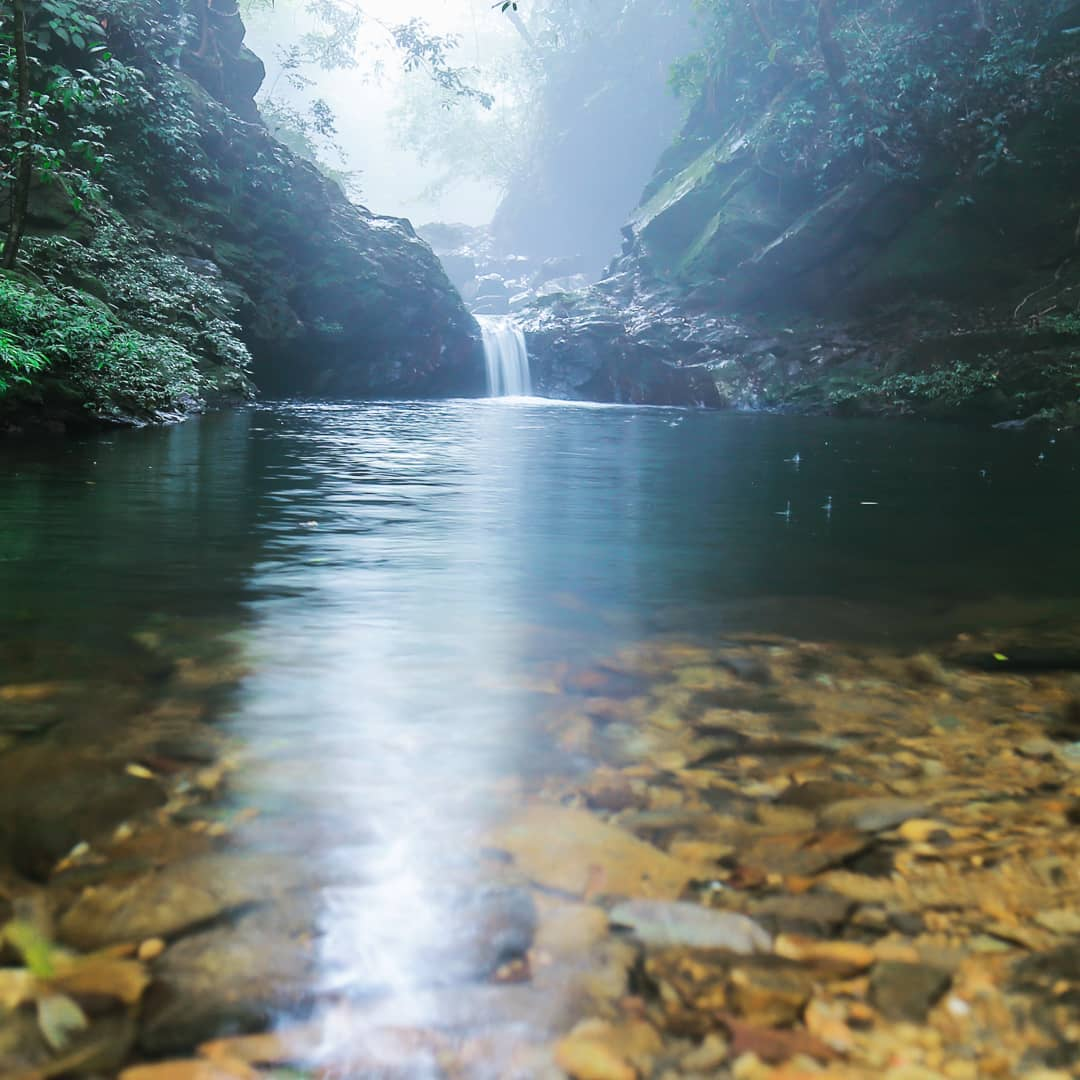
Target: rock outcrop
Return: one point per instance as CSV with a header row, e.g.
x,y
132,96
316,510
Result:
x,y
945,290
212,257
333,299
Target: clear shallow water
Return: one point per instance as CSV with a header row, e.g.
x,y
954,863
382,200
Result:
x,y
401,581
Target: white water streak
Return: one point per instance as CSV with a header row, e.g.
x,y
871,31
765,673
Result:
x,y
506,357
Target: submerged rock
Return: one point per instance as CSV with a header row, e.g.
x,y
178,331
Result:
x,y
178,897
691,926
231,979
872,814
575,852
907,991
51,800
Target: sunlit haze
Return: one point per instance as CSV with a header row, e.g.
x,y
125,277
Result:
x,y
392,178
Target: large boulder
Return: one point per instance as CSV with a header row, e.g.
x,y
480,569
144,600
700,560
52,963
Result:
x,y
589,346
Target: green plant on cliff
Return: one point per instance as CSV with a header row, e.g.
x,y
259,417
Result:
x,y
65,344
886,84
103,322
152,291
1063,325
17,362
92,357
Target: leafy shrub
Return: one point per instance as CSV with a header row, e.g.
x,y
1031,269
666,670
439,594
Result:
x,y
151,290
954,386
142,335
17,362
884,84
1061,325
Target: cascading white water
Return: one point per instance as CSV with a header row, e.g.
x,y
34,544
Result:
x,y
506,356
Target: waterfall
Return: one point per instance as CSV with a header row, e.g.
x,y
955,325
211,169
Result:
x,y
506,357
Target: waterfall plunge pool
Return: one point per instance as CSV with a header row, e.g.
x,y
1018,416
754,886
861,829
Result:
x,y
390,635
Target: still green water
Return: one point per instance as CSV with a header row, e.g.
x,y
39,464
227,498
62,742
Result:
x,y
431,524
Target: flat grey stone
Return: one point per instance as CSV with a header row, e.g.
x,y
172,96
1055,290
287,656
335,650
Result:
x,y
662,924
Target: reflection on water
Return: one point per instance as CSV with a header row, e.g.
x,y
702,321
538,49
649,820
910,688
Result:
x,y
413,587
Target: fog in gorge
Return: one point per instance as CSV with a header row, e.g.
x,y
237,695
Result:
x,y
580,110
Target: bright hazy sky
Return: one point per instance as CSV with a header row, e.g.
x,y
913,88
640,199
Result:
x,y
392,179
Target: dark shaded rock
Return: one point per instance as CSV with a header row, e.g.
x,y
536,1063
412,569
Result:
x,y
1067,726
1052,982
587,346
907,991
1046,969
334,300
751,668
196,748
231,979
744,700
22,1047
29,718
814,794
51,799
909,923
343,302
877,861
815,913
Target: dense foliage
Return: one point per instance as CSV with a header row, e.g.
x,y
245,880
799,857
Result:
x,y
118,327
886,84
99,117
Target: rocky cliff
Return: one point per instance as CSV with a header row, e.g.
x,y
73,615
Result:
x,y
228,262
951,288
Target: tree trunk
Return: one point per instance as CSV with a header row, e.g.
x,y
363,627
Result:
x,y
831,53
522,29
759,22
24,168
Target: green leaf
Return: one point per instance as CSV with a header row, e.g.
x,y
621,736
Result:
x,y
35,949
59,1018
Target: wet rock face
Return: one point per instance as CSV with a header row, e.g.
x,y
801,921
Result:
x,y
588,346
497,281
784,296
712,216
